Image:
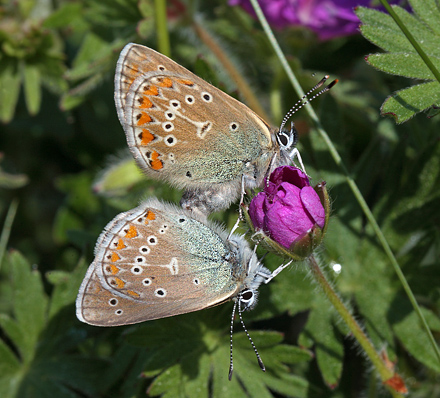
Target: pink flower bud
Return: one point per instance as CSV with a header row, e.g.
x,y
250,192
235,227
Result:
x,y
290,211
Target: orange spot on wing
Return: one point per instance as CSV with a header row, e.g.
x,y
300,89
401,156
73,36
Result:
x,y
120,283
155,163
146,103
132,293
132,232
114,269
121,244
144,118
150,215
151,90
166,82
115,257
186,82
146,137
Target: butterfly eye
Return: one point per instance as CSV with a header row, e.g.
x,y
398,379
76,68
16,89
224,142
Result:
x,y
287,139
247,295
248,298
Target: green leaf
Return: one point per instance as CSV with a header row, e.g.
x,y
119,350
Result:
x,y
284,297
9,384
328,345
15,333
146,26
428,11
403,59
10,81
44,369
87,61
422,33
403,64
9,365
381,29
30,303
69,102
188,359
404,104
118,177
412,335
66,287
32,88
376,307
64,16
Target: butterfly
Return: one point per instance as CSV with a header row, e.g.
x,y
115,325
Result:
x,y
159,260
186,132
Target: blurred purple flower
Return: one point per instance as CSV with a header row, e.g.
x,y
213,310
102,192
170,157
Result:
x,y
290,211
327,18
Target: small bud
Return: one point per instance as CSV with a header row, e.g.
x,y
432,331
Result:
x,y
291,215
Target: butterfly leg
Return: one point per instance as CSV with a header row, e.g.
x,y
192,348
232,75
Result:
x,y
268,278
240,208
295,154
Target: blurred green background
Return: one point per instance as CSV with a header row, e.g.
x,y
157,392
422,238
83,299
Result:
x,y
60,138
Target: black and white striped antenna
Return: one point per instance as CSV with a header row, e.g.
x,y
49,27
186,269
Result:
x,y
305,99
231,363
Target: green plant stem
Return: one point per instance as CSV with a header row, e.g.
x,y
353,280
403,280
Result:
x,y
6,231
354,188
242,85
411,39
384,372
163,38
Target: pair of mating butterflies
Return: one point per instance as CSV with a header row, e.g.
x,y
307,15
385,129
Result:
x,y
159,260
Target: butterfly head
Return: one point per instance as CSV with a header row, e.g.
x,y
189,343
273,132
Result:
x,y
256,274
287,139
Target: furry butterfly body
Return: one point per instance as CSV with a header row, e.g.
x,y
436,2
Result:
x,y
186,132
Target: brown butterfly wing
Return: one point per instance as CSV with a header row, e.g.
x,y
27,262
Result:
x,y
182,129
153,262
134,61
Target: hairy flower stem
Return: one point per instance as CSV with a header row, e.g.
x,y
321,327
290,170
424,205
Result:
x,y
385,373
